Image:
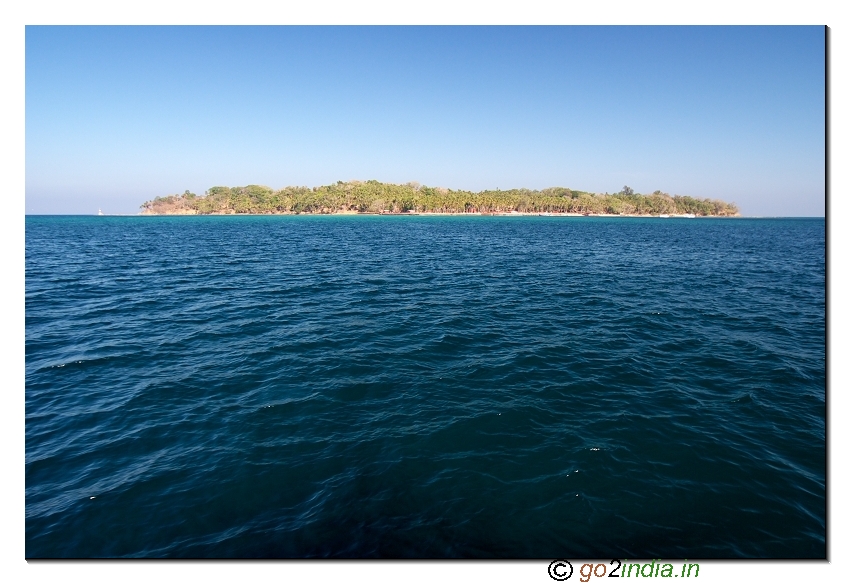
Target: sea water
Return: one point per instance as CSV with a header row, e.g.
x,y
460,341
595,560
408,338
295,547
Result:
x,y
365,386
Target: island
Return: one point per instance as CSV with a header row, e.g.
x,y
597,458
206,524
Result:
x,y
373,197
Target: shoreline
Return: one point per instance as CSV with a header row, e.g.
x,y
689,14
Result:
x,y
437,214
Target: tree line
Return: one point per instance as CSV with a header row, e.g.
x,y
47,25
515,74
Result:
x,y
372,196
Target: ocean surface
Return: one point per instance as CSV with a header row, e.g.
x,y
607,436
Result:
x,y
425,387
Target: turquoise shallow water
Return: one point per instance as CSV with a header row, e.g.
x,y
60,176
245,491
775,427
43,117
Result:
x,y
355,386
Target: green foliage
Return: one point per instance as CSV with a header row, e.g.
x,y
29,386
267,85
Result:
x,y
377,197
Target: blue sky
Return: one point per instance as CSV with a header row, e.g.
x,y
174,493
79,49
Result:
x,y
118,115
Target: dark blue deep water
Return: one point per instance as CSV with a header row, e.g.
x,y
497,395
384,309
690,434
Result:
x,y
356,386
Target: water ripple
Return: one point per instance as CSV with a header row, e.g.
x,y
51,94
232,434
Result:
x,y
424,387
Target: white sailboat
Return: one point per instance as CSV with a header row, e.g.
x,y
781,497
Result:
x,y
99,213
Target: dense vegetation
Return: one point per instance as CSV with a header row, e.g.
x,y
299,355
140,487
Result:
x,y
376,197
